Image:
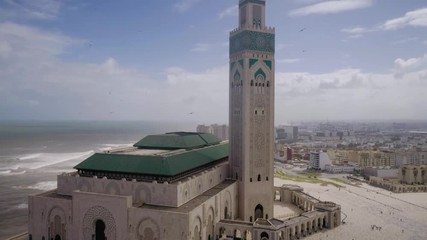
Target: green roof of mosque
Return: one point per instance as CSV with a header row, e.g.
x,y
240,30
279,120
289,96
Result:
x,y
199,150
177,140
165,165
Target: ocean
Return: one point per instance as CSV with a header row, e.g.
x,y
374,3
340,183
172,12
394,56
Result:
x,y
32,154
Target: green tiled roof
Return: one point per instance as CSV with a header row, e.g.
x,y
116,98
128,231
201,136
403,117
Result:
x,y
177,140
166,165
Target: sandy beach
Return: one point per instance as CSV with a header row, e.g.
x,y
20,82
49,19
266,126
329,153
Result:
x,y
372,213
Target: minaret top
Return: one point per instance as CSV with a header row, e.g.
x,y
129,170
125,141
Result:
x,y
252,14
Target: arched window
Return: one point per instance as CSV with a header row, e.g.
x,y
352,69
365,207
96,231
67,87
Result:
x,y
100,230
259,177
259,211
252,83
197,233
264,236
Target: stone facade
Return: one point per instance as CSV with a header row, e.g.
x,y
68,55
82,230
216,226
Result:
x,y
412,178
77,214
252,111
315,216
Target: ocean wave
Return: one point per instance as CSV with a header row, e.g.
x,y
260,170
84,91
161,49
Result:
x,y
40,160
5,172
108,146
21,206
45,186
10,172
48,185
29,157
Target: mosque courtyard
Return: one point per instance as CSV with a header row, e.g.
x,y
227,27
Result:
x,y
368,212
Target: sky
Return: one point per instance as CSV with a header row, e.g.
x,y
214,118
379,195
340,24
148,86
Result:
x,y
168,60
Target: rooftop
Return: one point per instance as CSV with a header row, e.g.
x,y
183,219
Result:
x,y
160,155
177,140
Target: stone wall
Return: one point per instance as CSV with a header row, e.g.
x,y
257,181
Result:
x,y
162,194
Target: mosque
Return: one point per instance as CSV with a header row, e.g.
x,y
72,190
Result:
x,y
183,185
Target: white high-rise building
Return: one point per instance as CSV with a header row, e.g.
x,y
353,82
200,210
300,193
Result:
x,y
252,111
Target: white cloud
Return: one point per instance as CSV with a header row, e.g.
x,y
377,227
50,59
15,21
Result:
x,y
14,41
201,47
411,65
184,5
417,18
34,9
356,30
229,12
332,6
349,94
37,84
289,60
205,93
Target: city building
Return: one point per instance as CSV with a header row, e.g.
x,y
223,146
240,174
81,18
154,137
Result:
x,y
220,131
410,178
339,168
204,129
286,134
283,153
381,172
319,160
194,186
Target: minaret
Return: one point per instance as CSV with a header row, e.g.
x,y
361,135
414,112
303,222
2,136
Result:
x,y
252,111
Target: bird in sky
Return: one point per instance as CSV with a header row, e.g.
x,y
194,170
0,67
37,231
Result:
x,y
302,29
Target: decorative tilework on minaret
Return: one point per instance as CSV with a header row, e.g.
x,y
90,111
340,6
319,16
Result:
x,y
251,109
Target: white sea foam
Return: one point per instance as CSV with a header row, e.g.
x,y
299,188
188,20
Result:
x,y
117,145
21,206
48,185
40,160
45,186
108,147
11,172
29,157
5,172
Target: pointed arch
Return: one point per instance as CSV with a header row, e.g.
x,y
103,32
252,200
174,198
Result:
x,y
259,211
259,73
